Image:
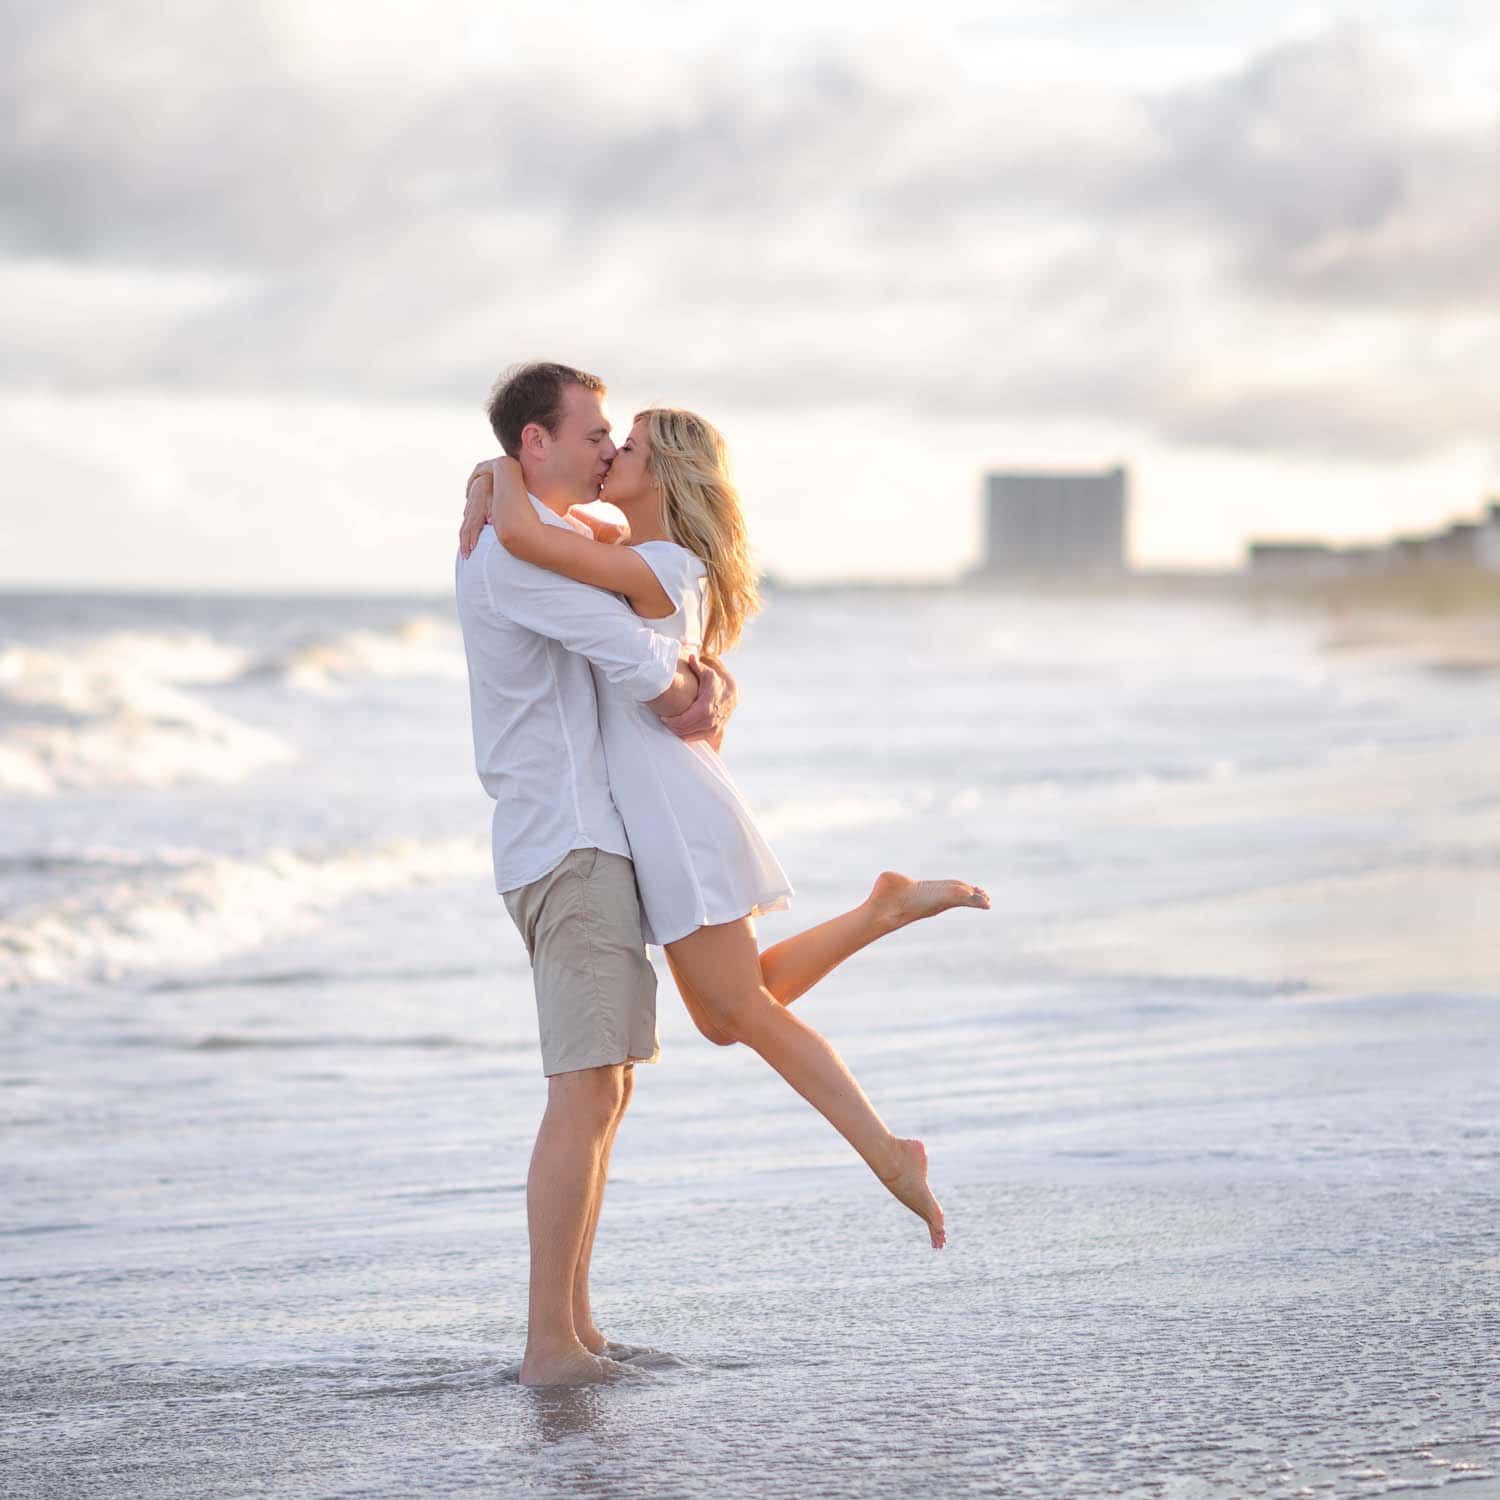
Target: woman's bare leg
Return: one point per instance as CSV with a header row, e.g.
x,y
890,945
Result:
x,y
793,966
722,970
695,1007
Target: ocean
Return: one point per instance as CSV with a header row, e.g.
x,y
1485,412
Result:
x,y
1212,1095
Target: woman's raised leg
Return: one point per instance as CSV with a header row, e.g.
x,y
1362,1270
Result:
x,y
721,968
793,966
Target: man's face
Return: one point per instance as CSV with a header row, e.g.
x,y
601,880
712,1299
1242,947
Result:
x,y
580,452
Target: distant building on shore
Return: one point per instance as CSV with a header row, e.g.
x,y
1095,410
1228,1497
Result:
x,y
1055,524
1293,560
1473,545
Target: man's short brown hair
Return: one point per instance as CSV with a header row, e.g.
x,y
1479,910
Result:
x,y
533,393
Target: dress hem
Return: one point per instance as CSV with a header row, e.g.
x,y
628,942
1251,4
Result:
x,y
779,902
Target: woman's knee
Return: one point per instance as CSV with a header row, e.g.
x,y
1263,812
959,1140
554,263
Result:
x,y
733,1016
713,1033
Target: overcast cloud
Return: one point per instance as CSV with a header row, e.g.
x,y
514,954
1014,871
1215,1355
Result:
x,y
1292,254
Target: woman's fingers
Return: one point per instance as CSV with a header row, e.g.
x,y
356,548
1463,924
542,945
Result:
x,y
476,510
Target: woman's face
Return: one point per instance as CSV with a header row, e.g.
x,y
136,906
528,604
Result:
x,y
628,480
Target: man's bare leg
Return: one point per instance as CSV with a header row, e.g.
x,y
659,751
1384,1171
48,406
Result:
x,y
582,1109
583,1317
792,967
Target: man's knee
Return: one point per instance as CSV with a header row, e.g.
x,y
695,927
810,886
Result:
x,y
591,1097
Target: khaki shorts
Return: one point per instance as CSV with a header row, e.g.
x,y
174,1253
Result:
x,y
595,990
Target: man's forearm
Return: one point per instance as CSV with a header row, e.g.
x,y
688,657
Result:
x,y
710,709
589,622
731,695
680,695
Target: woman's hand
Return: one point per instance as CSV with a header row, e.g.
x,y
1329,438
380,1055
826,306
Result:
x,y
478,506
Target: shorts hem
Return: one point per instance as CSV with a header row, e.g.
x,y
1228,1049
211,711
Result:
x,y
605,1060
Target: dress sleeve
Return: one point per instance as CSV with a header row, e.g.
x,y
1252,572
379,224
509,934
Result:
x,y
675,567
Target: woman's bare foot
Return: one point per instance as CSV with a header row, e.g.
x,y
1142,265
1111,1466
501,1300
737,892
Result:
x,y
572,1366
909,1183
898,899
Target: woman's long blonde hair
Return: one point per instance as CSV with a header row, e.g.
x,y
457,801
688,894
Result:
x,y
701,509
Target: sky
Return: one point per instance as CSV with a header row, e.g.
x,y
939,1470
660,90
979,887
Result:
x,y
261,262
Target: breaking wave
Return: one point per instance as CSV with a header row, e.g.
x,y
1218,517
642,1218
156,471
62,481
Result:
x,y
422,646
120,711
142,915
130,709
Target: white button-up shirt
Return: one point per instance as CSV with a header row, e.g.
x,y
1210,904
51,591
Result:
x,y
529,636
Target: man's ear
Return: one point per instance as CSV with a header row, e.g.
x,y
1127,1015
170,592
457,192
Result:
x,y
534,440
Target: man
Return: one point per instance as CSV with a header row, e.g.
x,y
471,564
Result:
x,y
561,854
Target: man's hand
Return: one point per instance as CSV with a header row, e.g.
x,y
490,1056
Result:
x,y
609,532
709,714
478,506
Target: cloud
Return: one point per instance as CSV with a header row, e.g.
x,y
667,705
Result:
x,y
1336,172
192,200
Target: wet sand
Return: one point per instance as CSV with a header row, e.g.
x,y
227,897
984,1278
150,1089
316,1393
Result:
x,y
1211,1095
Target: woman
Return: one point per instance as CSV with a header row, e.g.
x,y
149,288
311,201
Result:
x,y
703,869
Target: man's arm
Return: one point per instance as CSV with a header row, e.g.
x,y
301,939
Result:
x,y
683,693
698,700
651,667
708,717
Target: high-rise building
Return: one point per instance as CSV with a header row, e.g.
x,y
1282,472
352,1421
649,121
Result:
x,y
1042,523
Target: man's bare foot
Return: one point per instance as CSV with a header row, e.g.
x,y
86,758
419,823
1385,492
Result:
x,y
615,1350
909,1183
898,899
596,1343
575,1366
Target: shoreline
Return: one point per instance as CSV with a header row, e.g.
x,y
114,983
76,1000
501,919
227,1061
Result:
x,y
1442,620
1447,620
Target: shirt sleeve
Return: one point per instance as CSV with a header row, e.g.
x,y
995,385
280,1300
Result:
x,y
592,622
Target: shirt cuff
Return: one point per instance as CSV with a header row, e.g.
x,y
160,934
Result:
x,y
655,676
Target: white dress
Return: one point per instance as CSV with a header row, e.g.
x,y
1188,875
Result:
x,y
699,858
